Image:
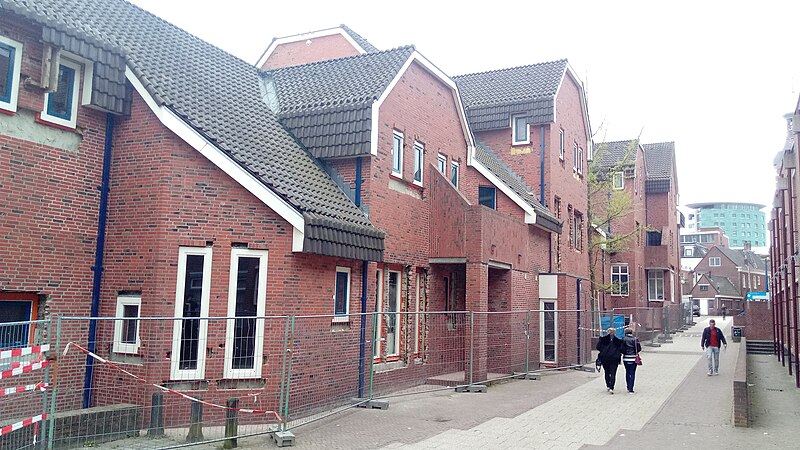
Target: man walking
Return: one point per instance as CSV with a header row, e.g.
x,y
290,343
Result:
x,y
712,338
610,348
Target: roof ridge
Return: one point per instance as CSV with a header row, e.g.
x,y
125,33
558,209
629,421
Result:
x,y
512,68
343,58
617,142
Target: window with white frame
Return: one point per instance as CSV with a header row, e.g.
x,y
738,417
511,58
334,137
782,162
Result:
x,y
487,196
714,261
61,106
655,285
454,173
247,293
580,160
341,298
687,251
397,154
561,144
575,156
10,65
703,287
521,130
191,306
392,314
619,279
126,325
441,164
419,153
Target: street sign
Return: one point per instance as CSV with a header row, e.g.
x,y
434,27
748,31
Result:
x,y
757,296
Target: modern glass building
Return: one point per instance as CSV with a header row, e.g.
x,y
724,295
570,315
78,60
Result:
x,y
740,221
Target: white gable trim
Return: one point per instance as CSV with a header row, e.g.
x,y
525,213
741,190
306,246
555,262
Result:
x,y
253,185
305,37
436,72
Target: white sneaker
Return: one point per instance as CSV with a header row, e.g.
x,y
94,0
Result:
x,y
710,373
610,391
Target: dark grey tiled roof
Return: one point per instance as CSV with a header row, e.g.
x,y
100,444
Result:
x,y
365,44
327,105
219,95
659,158
490,98
723,286
698,251
743,258
544,217
616,154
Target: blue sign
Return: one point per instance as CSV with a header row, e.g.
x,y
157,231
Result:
x,y
619,324
757,296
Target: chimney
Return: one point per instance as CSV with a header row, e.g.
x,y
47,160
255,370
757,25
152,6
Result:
x,y
747,246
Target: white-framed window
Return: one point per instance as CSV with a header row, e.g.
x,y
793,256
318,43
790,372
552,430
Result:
x,y
687,251
520,130
189,334
655,285
580,160
341,296
441,164
392,314
61,106
247,293
397,154
561,144
454,173
419,155
548,331
487,196
10,66
619,279
703,287
126,326
714,261
575,156
377,332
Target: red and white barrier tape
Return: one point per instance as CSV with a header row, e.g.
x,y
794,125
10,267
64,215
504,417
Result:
x,y
165,389
24,351
27,387
29,367
24,423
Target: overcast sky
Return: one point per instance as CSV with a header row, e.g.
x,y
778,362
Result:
x,y
713,77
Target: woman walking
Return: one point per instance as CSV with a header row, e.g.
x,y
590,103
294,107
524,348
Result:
x,y
610,348
630,350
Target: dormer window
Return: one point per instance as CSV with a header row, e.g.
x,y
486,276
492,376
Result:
x,y
10,63
521,130
618,181
61,106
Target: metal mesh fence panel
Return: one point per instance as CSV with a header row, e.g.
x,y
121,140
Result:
x,y
24,380
507,343
159,382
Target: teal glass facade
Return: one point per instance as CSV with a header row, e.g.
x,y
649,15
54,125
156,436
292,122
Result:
x,y
740,221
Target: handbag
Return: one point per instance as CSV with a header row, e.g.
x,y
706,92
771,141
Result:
x,y
638,359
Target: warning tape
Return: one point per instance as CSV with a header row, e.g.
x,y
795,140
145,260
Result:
x,y
30,367
165,389
24,351
24,423
27,387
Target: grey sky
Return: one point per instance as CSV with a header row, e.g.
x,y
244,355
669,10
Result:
x,y
715,77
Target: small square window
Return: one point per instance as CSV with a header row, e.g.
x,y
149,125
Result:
x,y
454,173
520,130
61,106
441,164
419,152
487,196
10,64
397,154
618,181
126,324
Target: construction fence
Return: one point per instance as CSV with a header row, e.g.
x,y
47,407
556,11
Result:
x,y
173,382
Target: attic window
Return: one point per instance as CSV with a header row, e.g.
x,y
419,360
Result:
x,y
397,154
714,261
61,106
521,130
10,62
618,181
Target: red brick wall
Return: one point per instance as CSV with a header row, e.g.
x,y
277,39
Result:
x,y
300,52
757,321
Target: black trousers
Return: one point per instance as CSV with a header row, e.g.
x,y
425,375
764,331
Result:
x,y
610,369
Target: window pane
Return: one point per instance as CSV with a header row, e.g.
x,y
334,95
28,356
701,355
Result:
x,y
392,308
417,163
397,152
129,327
487,196
549,331
520,129
244,331
14,311
454,175
192,301
6,71
59,103
442,165
341,292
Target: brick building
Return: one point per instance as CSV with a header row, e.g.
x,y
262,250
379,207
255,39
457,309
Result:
x,y
744,270
332,180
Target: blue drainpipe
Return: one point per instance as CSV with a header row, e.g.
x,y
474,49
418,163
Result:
x,y
364,268
541,167
98,258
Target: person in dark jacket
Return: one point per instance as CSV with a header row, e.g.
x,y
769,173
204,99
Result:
x,y
610,348
630,348
710,342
